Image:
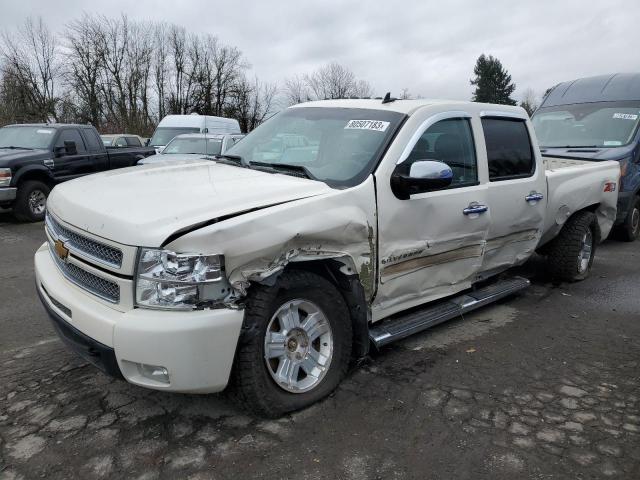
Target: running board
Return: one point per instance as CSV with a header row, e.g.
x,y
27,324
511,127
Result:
x,y
404,325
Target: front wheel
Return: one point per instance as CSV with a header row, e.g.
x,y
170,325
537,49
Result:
x,y
295,345
570,255
31,201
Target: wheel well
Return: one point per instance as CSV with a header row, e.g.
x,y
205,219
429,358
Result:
x,y
353,293
36,175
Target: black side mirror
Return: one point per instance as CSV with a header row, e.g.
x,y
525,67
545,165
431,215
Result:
x,y
423,176
70,147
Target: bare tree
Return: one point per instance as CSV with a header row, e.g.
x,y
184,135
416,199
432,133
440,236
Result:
x,y
331,81
405,95
84,42
362,89
296,91
529,101
252,102
30,60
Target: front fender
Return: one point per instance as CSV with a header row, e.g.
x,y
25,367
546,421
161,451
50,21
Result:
x,y
257,245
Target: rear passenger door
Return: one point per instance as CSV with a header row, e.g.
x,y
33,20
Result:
x,y
97,151
515,192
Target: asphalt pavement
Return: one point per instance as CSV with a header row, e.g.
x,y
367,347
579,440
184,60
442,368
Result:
x,y
545,384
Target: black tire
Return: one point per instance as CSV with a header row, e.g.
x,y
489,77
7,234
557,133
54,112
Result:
x,y
630,229
23,208
564,252
252,382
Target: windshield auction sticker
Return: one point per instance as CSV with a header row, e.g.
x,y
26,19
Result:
x,y
625,116
376,125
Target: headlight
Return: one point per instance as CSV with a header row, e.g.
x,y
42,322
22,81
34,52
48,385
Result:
x,y
5,177
173,280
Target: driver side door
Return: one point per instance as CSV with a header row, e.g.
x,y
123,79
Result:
x,y
69,165
431,245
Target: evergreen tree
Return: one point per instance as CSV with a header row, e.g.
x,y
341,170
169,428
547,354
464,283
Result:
x,y
493,83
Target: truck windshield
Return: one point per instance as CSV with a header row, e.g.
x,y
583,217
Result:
x,y
202,146
27,137
164,135
600,124
339,146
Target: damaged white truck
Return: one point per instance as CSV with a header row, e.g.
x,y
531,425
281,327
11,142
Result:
x,y
334,226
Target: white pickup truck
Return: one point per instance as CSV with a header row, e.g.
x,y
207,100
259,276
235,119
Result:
x,y
332,227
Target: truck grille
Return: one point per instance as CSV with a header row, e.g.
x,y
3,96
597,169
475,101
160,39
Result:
x,y
95,250
101,287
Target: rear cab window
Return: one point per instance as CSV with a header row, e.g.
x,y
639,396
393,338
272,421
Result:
x,y
133,142
509,149
94,142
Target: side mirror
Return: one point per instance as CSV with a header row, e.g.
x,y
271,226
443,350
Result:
x,y
423,176
70,148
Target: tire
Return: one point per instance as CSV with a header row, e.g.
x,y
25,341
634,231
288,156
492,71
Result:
x,y
30,204
254,377
566,254
630,229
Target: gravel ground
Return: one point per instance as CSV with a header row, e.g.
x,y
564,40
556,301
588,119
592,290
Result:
x,y
542,385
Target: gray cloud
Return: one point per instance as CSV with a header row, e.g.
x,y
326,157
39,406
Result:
x,y
428,47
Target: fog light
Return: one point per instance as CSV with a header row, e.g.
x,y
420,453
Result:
x,y
153,372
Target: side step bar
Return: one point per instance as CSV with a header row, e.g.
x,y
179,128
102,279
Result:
x,y
406,324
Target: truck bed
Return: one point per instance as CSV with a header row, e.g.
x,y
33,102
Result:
x,y
573,185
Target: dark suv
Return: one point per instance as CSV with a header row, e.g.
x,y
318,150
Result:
x,y
596,118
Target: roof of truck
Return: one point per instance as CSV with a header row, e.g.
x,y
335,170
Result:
x,y
50,125
601,88
406,106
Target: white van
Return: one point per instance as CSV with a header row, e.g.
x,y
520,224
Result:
x,y
173,125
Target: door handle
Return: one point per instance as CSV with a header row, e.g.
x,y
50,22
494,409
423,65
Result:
x,y
534,197
474,209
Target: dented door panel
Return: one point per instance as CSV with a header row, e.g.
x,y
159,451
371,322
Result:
x,y
428,247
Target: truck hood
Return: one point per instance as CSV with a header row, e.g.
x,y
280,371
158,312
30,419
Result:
x,y
8,156
595,154
144,205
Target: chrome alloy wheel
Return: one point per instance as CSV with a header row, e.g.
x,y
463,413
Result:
x,y
37,202
298,346
584,257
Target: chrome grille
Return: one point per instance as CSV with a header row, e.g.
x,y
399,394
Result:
x,y
101,287
95,250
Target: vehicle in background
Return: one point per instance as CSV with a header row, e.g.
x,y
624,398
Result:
x,y
36,157
595,119
379,220
121,140
173,125
194,145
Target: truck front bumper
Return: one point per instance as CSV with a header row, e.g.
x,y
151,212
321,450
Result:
x,y
180,351
7,194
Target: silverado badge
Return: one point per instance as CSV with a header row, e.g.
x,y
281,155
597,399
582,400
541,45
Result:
x,y
61,250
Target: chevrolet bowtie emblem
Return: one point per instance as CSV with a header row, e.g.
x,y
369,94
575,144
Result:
x,y
61,250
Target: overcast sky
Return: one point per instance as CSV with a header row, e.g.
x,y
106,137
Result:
x,y
427,46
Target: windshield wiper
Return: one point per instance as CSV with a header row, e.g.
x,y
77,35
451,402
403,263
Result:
x,y
294,170
11,147
229,159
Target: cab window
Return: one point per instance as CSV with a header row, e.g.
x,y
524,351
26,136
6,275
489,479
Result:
x,y
448,141
509,150
71,135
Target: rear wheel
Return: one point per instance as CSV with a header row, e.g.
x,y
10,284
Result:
x,y
630,229
295,346
31,201
570,254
